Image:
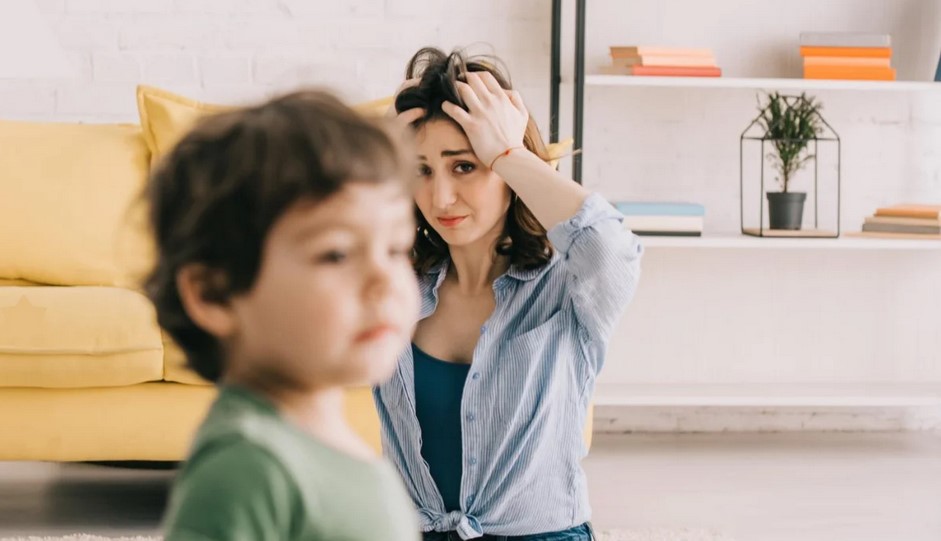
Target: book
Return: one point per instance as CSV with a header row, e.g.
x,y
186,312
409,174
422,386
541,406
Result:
x,y
894,236
911,211
873,52
865,73
844,39
664,223
633,50
659,208
899,228
674,61
895,220
847,61
662,71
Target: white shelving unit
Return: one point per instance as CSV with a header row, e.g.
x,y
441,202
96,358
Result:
x,y
752,312
760,83
735,241
770,395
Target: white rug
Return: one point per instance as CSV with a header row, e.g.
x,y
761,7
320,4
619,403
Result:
x,y
653,534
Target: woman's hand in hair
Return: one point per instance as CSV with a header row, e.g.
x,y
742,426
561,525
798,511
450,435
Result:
x,y
496,118
405,118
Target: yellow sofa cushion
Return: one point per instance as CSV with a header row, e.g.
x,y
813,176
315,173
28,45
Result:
x,y
152,421
175,368
165,117
65,190
73,337
8,282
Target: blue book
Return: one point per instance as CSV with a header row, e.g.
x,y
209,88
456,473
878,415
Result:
x,y
662,208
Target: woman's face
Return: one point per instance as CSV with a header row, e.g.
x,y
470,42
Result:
x,y
462,198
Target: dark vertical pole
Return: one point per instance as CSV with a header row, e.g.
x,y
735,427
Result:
x,y
741,182
761,193
579,88
555,73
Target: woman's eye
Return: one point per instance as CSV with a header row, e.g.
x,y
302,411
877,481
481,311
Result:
x,y
332,257
424,171
465,167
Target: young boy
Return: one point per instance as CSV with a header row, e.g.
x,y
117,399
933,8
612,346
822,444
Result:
x,y
284,233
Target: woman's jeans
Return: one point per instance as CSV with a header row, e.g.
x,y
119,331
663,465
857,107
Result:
x,y
578,533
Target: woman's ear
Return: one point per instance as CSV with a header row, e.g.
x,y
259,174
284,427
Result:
x,y
199,287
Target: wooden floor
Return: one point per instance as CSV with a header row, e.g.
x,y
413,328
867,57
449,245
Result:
x,y
752,487
772,487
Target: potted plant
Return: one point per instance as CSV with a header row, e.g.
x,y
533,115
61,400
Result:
x,y
790,124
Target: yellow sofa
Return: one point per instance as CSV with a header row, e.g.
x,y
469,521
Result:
x,y
85,371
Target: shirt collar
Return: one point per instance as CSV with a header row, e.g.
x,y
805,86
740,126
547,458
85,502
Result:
x,y
439,272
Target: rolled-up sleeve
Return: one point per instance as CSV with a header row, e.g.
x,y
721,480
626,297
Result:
x,y
602,260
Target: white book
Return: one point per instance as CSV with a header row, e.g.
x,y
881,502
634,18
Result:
x,y
664,223
844,39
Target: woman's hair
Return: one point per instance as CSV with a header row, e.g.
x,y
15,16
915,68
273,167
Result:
x,y
524,240
214,199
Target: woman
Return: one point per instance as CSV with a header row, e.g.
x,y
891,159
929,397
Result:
x,y
523,275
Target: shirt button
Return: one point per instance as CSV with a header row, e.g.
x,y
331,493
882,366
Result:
x,y
469,500
483,329
471,416
473,461
475,375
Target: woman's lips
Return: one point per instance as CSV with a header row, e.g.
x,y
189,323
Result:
x,y
450,221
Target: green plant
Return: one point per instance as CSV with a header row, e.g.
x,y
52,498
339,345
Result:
x,y
790,124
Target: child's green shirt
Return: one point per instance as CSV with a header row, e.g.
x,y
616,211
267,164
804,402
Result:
x,y
252,475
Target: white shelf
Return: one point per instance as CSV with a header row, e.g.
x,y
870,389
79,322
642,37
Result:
x,y
769,394
735,241
759,83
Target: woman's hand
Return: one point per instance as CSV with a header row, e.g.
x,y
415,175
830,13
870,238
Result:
x,y
496,118
405,118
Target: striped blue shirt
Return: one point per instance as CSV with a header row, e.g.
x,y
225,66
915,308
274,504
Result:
x,y
527,393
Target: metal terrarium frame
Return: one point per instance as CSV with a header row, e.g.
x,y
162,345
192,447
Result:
x,y
829,134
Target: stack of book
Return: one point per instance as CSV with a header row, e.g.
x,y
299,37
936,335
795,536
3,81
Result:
x,y
909,220
847,55
662,61
663,218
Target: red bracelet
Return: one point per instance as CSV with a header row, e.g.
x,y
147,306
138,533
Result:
x,y
504,153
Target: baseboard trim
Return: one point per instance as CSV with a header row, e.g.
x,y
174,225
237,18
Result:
x,y
628,419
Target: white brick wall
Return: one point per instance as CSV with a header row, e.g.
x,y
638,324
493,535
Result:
x,y
240,50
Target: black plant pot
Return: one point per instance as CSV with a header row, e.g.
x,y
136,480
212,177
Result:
x,y
786,209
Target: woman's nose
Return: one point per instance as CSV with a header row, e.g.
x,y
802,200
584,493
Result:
x,y
444,194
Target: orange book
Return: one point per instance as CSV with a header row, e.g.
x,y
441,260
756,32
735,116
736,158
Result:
x,y
621,51
877,52
866,73
663,71
672,61
925,212
847,61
